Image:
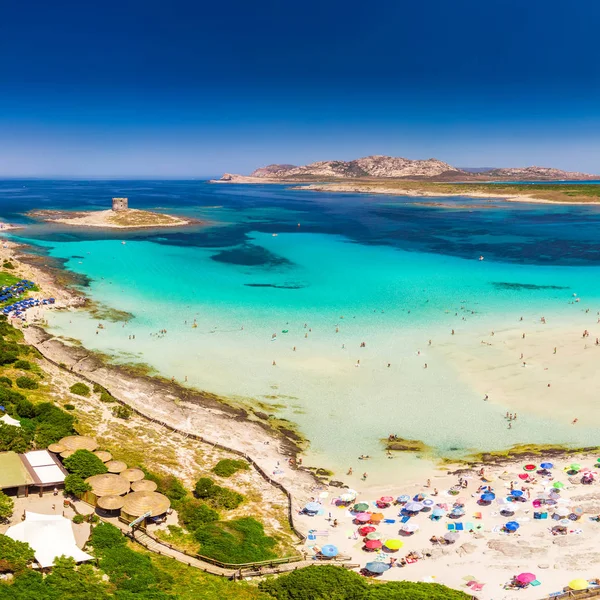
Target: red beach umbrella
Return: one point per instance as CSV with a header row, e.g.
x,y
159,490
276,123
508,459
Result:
x,y
373,544
363,531
523,476
530,467
387,499
526,578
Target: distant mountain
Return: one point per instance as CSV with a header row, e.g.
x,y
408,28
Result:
x,y
381,167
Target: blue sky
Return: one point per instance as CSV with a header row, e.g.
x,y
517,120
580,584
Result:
x,y
180,89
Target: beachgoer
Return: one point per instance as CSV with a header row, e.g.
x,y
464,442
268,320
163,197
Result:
x,y
574,421
349,471
486,397
510,425
365,475
428,484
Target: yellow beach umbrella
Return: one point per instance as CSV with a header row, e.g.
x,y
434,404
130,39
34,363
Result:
x,y
394,544
579,584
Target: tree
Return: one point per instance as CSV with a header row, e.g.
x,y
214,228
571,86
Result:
x,y
14,556
84,464
80,389
68,581
7,506
194,514
26,383
75,485
217,496
106,536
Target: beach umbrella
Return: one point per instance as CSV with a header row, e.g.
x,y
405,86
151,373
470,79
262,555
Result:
x,y
419,497
414,506
512,526
329,550
516,493
394,544
409,527
373,544
526,578
374,535
487,497
451,536
360,507
387,499
579,584
546,465
362,517
523,476
377,567
376,517
558,485
438,512
578,511
402,499
530,467
347,497
428,502
575,467
363,531
562,511
312,507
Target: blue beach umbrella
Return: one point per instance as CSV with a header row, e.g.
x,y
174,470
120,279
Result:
x,y
512,526
517,493
438,512
403,498
329,550
428,502
312,507
488,497
377,567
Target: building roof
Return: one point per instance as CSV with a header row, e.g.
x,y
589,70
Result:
x,y
43,467
8,420
138,503
50,536
12,471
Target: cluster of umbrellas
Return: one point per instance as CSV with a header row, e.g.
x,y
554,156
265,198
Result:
x,y
18,308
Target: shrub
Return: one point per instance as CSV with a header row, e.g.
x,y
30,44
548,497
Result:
x,y
80,389
122,412
23,364
97,388
84,464
8,265
7,381
25,408
78,519
193,514
227,467
16,439
106,397
75,485
7,506
14,556
238,541
217,496
26,383
168,485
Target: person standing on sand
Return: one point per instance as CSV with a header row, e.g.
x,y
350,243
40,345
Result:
x,y
574,421
349,471
365,475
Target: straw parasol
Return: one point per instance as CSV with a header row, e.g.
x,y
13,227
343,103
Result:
x,y
111,502
145,485
108,484
79,442
133,474
103,455
67,453
116,466
57,448
138,503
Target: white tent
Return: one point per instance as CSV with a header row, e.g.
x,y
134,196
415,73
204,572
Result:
x,y
8,420
50,536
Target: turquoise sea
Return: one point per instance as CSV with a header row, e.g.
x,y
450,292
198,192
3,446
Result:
x,y
276,269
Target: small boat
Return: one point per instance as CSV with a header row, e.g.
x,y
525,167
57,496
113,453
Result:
x,y
481,257
123,243
274,235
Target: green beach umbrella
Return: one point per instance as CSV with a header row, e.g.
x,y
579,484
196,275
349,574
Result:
x,y
360,507
558,485
374,535
575,467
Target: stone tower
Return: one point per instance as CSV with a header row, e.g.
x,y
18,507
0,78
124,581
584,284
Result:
x,y
119,204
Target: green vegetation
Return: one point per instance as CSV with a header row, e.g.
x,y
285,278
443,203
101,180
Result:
x,y
7,381
84,464
69,407
216,496
193,514
122,412
168,485
106,397
77,519
26,383
328,582
14,556
8,278
76,486
23,364
7,506
228,466
237,541
80,389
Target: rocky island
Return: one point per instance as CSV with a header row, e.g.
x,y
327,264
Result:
x,y
119,217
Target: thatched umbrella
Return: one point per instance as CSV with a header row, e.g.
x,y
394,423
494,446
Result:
x,y
139,503
108,484
67,453
111,502
133,474
145,485
79,442
103,455
116,466
57,448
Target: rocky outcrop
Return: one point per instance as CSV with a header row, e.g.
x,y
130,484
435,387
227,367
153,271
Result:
x,y
538,173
